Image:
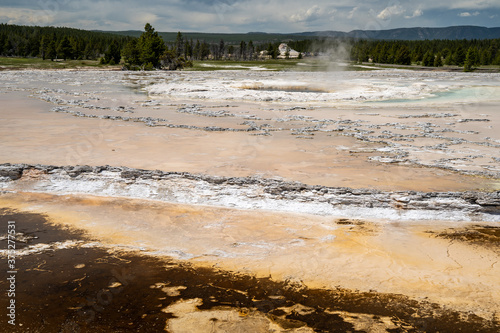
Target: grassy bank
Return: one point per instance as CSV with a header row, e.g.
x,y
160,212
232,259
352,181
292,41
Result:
x,y
307,65
12,63
417,67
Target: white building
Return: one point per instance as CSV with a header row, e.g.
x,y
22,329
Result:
x,y
283,48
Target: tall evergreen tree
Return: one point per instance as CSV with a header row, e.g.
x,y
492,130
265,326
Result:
x,y
112,55
3,38
251,49
438,61
471,60
188,50
132,54
485,57
243,50
391,54
204,50
64,49
428,59
51,50
197,50
44,46
179,44
448,61
230,51
151,47
459,56
221,49
403,56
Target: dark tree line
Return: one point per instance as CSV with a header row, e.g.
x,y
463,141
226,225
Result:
x,y
58,43
146,52
463,53
201,50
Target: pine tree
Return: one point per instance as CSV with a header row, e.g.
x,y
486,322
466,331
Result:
x,y
417,54
112,55
243,50
403,56
221,49
188,50
251,50
272,50
197,50
448,61
485,57
151,47
51,50
438,61
2,43
8,47
44,46
391,54
459,56
179,44
428,59
470,60
204,50
497,60
64,50
132,54
88,51
382,56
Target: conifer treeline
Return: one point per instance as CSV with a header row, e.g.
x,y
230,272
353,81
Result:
x,y
429,52
52,43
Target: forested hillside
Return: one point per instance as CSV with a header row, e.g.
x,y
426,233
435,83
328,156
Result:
x,y
429,52
51,43
417,33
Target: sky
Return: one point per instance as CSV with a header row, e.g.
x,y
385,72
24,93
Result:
x,y
241,16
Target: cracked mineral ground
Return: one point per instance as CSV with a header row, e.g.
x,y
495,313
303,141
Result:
x,y
251,201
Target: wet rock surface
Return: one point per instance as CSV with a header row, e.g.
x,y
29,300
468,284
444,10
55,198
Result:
x,y
92,287
480,235
246,192
11,173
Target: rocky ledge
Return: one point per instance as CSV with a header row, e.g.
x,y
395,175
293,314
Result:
x,y
250,193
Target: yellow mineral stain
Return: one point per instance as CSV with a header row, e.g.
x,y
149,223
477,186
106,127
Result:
x,y
315,251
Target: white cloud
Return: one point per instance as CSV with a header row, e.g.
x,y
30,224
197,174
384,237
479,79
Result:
x,y
351,13
416,13
140,18
468,14
307,15
246,15
391,11
476,4
26,16
311,14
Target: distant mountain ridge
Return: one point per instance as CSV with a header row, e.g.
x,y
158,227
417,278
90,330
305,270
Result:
x,y
417,33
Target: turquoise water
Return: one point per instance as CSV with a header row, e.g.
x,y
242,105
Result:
x,y
474,94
